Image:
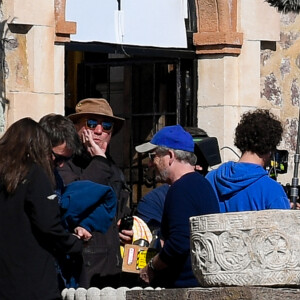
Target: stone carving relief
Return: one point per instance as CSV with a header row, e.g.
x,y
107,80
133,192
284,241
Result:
x,y
217,27
246,248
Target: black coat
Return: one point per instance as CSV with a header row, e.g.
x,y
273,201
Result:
x,y
101,256
100,170
30,234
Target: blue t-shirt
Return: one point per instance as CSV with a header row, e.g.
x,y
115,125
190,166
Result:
x,y
150,207
245,187
191,195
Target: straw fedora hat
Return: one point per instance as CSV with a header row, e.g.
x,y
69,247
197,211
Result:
x,y
96,107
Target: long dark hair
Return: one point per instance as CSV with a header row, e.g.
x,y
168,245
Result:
x,y
25,142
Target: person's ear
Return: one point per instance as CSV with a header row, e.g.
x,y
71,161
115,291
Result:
x,y
171,157
198,168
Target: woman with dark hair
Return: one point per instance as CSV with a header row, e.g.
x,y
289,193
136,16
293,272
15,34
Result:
x,y
30,225
245,185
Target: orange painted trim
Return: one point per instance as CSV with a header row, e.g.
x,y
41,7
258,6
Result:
x,y
217,27
63,28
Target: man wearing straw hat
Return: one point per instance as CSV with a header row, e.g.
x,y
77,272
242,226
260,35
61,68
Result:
x,y
96,124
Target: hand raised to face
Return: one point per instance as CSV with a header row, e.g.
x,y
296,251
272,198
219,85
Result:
x,y
93,146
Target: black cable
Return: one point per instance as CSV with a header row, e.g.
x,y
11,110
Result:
x,y
231,150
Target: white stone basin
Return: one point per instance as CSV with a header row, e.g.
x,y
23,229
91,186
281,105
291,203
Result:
x,y
246,248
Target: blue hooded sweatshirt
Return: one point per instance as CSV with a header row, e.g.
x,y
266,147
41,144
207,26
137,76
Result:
x,y
245,186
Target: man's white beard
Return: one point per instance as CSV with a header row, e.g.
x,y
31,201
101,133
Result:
x,y
162,176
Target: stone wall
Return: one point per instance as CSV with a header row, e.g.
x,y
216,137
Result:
x,y
5,43
33,72
229,84
265,75
280,81
232,293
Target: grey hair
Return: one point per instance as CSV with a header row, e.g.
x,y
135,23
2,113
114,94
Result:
x,y
181,155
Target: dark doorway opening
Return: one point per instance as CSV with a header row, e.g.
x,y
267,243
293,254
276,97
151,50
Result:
x,y
147,87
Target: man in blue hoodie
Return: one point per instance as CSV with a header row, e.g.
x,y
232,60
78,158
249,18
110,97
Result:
x,y
245,185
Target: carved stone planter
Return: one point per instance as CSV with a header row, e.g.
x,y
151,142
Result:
x,y
247,248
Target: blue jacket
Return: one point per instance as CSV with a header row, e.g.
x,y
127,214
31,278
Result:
x,y
89,205
151,206
245,187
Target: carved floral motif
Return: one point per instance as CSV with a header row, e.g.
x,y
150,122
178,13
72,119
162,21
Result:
x,y
246,248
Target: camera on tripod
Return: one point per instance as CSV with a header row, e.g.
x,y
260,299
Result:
x,y
287,189
278,163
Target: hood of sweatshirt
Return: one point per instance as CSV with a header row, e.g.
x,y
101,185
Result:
x,y
232,177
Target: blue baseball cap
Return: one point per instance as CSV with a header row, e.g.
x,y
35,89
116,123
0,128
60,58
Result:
x,y
174,137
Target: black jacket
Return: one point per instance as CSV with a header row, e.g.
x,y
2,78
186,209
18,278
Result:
x,y
101,256
30,234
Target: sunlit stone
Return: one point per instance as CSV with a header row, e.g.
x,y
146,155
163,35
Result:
x,y
247,248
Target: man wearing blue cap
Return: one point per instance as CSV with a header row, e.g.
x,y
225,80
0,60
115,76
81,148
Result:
x,y
171,152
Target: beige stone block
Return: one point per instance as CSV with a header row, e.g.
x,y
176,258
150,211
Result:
x,y
211,84
32,105
16,69
221,122
258,20
218,81
59,69
41,58
59,104
30,12
212,120
249,74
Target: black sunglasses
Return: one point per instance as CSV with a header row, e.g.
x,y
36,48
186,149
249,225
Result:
x,y
151,155
60,158
93,123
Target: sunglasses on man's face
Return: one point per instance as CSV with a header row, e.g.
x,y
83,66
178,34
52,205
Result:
x,y
151,155
93,123
58,159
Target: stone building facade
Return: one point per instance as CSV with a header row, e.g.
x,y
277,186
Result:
x,y
247,54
